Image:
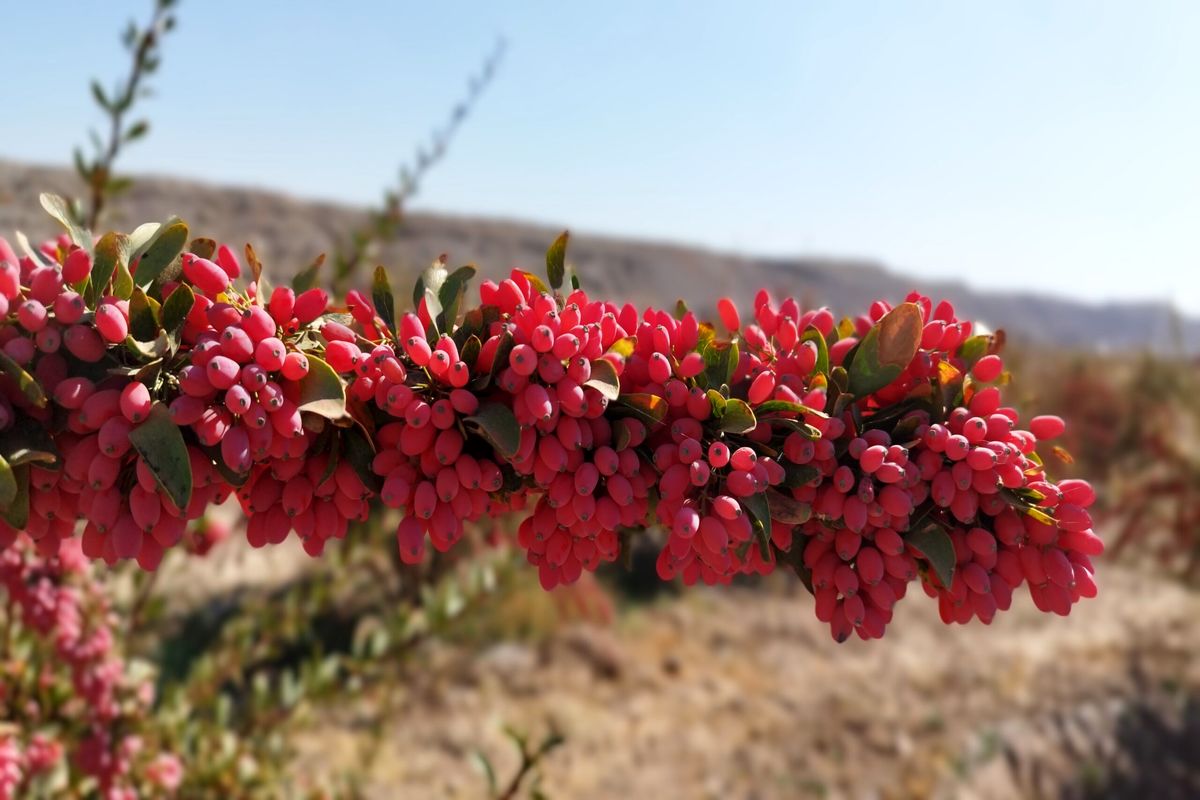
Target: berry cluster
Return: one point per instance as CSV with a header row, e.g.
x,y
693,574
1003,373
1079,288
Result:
x,y
101,704
863,453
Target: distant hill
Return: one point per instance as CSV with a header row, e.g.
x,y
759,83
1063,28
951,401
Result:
x,y
288,233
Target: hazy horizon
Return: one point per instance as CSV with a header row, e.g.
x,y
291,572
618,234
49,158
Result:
x,y
1024,147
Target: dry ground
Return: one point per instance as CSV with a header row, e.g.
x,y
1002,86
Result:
x,y
742,694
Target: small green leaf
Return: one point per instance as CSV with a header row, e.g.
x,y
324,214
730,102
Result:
x,y
35,254
152,350
624,347
25,382
720,362
787,509
556,261
470,350
451,295
8,485
886,350
28,441
813,335
499,426
306,278
973,349
718,402
537,283
798,475
112,254
384,299
58,208
142,237
176,308
604,379
160,443
203,246
738,417
785,406
681,309
935,545
322,391
143,317
760,512
161,253
649,408
16,511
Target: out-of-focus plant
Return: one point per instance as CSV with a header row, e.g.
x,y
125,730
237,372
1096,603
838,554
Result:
x,y
530,758
117,103
1155,484
384,221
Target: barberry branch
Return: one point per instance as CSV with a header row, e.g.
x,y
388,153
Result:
x,y
144,47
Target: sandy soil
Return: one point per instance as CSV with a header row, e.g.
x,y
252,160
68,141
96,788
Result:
x,y
741,694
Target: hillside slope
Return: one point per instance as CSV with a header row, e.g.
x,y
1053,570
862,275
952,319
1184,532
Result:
x,y
288,232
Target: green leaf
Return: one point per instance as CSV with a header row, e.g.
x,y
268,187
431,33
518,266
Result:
x,y
203,246
306,278
8,485
932,542
624,346
451,294
35,255
322,391
143,317
149,351
112,253
161,253
16,511
25,382
58,208
798,474
142,237
974,349
604,379
556,261
738,417
384,299
760,512
649,408
786,406
499,426
718,402
681,309
160,443
787,509
537,283
720,362
28,441
176,308
886,350
813,335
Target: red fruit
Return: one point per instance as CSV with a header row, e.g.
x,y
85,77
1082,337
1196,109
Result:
x,y
729,314
310,305
295,366
988,368
222,372
111,323
342,356
77,266
135,401
204,274
1047,427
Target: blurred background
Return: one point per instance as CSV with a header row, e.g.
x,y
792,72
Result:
x,y
1035,163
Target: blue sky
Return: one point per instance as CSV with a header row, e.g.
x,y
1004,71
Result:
x,y
1050,145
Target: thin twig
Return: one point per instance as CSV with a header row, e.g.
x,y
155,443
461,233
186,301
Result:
x,y
384,222
143,44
